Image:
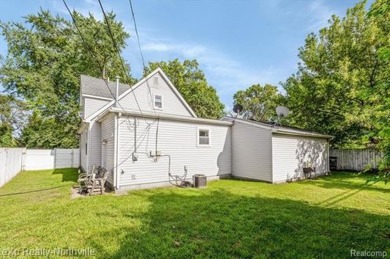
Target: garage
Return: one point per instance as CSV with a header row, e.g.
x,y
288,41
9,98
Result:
x,y
277,154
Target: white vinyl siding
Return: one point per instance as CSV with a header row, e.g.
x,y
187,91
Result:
x,y
145,97
251,152
176,139
83,142
91,105
108,133
94,149
292,153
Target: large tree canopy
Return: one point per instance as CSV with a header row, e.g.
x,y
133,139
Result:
x,y
259,101
46,56
342,85
191,82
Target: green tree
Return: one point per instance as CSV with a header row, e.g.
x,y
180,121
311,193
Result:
x,y
340,84
191,82
260,101
12,114
380,12
46,56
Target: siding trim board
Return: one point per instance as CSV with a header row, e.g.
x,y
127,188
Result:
x,y
96,97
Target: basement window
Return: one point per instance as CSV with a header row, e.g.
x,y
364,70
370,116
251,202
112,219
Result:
x,y
158,101
203,137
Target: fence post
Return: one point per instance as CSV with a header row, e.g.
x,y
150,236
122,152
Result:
x,y
72,154
24,155
55,158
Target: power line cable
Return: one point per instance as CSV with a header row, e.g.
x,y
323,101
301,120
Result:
x,y
140,48
114,43
94,55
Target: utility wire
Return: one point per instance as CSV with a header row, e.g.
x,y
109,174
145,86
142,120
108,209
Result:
x,y
140,49
114,43
94,55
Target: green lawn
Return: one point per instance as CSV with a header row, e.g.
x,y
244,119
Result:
x,y
326,217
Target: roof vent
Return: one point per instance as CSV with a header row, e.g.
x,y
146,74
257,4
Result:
x,y
155,80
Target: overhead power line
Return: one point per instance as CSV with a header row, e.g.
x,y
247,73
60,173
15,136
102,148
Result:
x,y
136,32
92,52
140,49
114,43
95,58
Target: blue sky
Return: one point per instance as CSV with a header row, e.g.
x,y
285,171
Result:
x,y
237,43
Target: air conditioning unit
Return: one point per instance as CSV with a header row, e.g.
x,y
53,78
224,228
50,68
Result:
x,y
199,180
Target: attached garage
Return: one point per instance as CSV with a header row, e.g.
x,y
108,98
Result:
x,y
274,153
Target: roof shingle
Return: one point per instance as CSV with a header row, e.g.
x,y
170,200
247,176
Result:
x,y
97,87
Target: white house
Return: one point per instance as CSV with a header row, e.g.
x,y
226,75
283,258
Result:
x,y
150,131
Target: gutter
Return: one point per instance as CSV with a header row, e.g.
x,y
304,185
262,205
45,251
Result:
x,y
306,134
164,116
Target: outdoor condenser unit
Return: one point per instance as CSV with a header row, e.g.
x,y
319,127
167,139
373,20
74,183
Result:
x,y
200,180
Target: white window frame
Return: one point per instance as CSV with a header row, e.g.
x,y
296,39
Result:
x,y
198,137
162,102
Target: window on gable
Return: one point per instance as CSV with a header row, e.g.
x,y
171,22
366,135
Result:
x,y
203,137
158,102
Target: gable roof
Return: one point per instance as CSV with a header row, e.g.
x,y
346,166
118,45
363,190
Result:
x,y
97,87
173,88
281,129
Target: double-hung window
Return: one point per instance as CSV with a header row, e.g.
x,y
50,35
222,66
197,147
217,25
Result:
x,y
203,137
158,101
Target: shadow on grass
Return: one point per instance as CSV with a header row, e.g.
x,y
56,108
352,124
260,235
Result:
x,y
32,191
343,181
68,174
221,224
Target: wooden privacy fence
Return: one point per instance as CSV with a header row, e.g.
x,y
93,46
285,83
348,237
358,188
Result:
x,y
356,160
14,160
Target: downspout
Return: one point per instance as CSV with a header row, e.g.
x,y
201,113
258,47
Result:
x,y
88,144
117,183
116,138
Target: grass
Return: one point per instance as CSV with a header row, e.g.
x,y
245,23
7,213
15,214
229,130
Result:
x,y
326,217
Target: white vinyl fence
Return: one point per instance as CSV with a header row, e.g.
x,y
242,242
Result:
x,y
38,159
14,160
11,160
356,160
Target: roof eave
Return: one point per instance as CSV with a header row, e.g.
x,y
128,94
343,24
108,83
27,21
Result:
x,y
164,116
305,134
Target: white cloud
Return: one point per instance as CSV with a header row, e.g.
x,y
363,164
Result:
x,y
319,14
85,7
226,74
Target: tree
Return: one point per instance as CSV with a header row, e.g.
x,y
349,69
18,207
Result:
x,y
340,84
12,113
380,11
260,101
191,82
46,56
